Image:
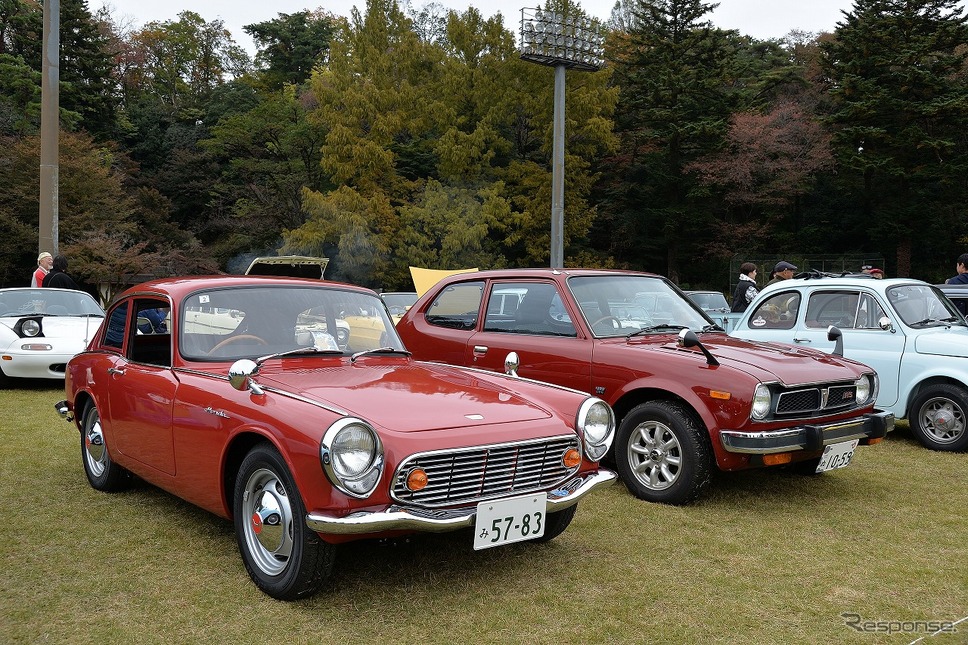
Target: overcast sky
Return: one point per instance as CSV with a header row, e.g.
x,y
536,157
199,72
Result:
x,y
758,18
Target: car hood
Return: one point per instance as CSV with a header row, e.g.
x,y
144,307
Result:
x,y
764,361
63,328
408,396
943,341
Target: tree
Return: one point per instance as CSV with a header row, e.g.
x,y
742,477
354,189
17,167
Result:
x,y
895,72
290,45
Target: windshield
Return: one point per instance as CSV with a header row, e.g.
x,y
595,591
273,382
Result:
x,y
227,324
48,302
923,306
619,305
710,301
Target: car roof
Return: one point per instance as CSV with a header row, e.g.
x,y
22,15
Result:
x,y
541,272
823,282
179,287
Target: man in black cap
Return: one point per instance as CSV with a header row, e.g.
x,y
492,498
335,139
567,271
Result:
x,y
782,271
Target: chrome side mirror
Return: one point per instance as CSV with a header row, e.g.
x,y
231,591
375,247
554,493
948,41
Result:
x,y
240,376
885,323
834,334
511,364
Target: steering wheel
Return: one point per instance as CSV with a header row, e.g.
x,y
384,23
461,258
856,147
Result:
x,y
616,322
236,339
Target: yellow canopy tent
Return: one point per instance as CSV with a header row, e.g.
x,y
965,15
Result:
x,y
423,279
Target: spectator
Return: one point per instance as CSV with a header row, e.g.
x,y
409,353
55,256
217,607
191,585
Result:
x,y
866,268
877,273
962,267
745,289
782,271
58,278
44,263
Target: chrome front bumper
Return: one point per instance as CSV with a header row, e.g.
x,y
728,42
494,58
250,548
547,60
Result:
x,y
400,518
808,437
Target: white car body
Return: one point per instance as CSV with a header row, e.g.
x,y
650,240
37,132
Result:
x,y
41,329
907,330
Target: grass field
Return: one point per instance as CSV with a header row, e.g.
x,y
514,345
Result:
x,y
765,557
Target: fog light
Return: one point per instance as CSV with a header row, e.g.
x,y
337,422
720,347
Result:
x,y
417,479
571,458
777,459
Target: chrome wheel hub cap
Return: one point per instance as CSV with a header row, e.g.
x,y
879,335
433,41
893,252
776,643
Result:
x,y
94,445
655,455
268,528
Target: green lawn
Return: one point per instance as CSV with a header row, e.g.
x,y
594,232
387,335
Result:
x,y
765,557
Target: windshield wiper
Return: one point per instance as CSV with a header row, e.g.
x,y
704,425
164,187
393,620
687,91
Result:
x,y
663,327
927,321
298,350
379,350
713,327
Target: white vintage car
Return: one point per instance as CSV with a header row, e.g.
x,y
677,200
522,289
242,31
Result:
x,y
907,330
41,329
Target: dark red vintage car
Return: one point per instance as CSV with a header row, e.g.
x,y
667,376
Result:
x,y
292,407
688,398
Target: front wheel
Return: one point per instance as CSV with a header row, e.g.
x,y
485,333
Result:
x,y
102,473
283,556
938,418
662,454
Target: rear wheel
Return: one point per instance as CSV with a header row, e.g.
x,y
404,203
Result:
x,y
662,454
102,473
283,556
556,523
939,416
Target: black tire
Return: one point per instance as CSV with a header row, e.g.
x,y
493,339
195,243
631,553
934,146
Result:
x,y
102,473
556,523
939,418
663,454
284,557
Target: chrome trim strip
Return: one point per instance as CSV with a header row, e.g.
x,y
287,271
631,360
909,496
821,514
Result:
x,y
398,518
291,395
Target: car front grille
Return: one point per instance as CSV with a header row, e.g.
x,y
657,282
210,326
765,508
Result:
x,y
827,398
470,475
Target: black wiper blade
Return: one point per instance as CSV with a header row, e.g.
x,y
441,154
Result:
x,y
663,327
713,327
298,350
379,350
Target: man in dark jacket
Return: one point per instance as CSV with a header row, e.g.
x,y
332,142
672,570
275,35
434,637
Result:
x,y
58,278
962,268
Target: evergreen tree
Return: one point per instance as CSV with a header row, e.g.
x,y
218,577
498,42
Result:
x,y
900,112
290,45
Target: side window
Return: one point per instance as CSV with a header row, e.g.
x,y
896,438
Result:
x,y
832,308
869,312
151,342
457,306
114,335
527,308
779,311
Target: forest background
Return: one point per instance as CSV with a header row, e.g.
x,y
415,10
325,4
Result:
x,y
417,136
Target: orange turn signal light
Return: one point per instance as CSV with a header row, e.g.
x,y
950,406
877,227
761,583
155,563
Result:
x,y
571,458
417,479
716,394
871,442
777,459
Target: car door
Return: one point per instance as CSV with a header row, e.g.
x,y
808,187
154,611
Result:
x,y
529,317
142,387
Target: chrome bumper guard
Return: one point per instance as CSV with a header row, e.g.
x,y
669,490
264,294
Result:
x,y
808,437
400,518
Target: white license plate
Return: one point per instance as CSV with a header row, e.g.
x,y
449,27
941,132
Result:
x,y
837,455
503,521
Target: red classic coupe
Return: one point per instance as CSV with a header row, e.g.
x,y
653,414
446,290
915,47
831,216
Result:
x,y
291,407
688,398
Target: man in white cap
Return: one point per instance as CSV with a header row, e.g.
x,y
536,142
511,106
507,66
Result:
x,y
44,262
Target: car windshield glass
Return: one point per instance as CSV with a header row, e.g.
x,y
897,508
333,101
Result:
x,y
228,324
619,305
922,305
399,299
710,301
48,302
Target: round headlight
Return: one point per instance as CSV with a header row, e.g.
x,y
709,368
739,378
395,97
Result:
x,y
863,389
352,456
762,401
596,421
30,328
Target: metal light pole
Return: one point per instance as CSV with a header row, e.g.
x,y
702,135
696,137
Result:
x,y
49,127
559,41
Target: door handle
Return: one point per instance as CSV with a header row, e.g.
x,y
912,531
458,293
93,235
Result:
x,y
801,340
480,349
114,370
